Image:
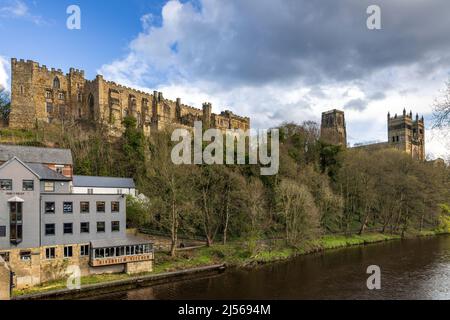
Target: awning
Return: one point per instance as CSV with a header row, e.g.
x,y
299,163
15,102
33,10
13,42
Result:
x,y
16,199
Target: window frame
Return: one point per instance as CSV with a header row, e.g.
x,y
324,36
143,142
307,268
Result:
x,y
88,227
113,224
45,207
97,206
71,207
48,255
84,250
66,224
27,181
104,226
46,184
54,230
82,203
112,206
10,184
68,252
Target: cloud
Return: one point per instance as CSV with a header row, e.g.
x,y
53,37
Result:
x,y
18,9
356,104
4,73
290,60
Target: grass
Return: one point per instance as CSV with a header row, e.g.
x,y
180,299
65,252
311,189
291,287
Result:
x,y
237,254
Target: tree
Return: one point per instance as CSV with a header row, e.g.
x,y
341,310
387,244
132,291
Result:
x,y
442,108
5,105
169,186
300,215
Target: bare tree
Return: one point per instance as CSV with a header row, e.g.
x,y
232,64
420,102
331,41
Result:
x,y
442,108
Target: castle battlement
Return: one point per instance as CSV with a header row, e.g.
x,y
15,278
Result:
x,y
39,94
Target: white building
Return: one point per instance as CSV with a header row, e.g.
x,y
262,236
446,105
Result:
x,y
103,185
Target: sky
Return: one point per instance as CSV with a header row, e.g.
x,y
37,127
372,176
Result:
x,y
271,60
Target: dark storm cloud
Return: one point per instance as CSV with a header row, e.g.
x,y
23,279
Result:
x,y
356,104
257,42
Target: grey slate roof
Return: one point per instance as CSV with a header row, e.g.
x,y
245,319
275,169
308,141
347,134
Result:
x,y
45,173
103,182
127,241
35,154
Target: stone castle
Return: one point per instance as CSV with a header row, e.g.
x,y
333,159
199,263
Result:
x,y
404,133
42,95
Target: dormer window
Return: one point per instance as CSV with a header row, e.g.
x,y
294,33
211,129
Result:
x,y
56,83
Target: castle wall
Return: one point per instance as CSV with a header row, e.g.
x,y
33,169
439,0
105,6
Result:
x,y
35,98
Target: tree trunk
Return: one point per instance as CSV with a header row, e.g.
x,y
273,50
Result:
x,y
227,216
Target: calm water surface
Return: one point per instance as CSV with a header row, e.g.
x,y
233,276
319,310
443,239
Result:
x,y
411,269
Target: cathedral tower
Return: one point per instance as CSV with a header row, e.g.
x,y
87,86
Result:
x,y
407,134
333,129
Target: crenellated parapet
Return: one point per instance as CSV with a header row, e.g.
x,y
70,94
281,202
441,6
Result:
x,y
40,94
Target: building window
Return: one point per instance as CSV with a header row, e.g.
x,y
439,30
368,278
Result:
x,y
119,191
80,97
50,207
84,250
84,207
50,253
61,96
49,186
21,90
49,107
84,227
90,191
68,228
6,184
59,168
48,94
2,231
27,185
100,206
68,252
15,218
56,83
100,226
50,229
67,207
115,206
115,226
25,255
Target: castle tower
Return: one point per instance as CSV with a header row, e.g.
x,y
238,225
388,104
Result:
x,y
333,130
207,110
407,134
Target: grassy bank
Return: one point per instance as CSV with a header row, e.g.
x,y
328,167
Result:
x,y
237,254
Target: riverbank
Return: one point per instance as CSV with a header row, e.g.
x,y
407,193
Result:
x,y
235,254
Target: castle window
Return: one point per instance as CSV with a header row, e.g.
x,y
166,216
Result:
x,y
48,94
56,83
80,97
91,106
49,107
21,90
61,96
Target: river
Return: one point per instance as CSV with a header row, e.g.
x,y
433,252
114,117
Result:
x,y
410,269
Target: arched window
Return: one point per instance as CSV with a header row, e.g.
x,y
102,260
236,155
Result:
x,y
91,103
56,84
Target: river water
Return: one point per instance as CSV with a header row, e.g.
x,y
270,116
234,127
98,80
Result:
x,y
410,269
